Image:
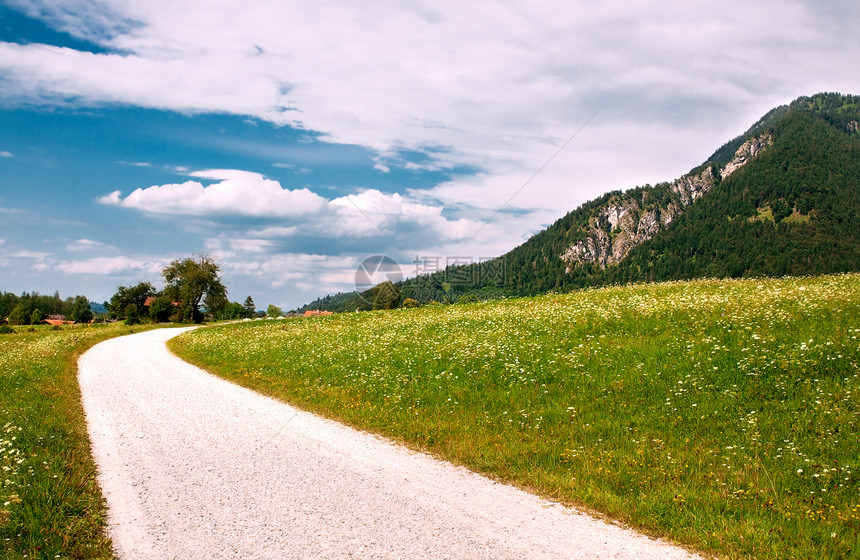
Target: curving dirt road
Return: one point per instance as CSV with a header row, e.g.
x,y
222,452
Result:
x,y
195,467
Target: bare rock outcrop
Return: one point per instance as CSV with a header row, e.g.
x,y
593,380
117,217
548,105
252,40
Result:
x,y
746,153
624,223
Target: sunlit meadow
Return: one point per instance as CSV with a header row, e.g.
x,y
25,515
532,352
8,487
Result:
x,y
721,414
50,504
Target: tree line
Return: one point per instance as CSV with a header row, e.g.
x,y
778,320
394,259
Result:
x,y
192,291
33,308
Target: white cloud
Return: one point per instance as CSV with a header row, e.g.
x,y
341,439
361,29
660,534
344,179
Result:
x,y
274,232
493,85
250,245
89,245
234,193
17,260
6,154
370,213
112,266
308,276
373,213
34,255
113,198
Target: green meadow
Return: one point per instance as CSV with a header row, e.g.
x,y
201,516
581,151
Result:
x,y
723,415
50,503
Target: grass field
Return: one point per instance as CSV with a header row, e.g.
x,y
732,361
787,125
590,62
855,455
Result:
x,y
50,504
724,415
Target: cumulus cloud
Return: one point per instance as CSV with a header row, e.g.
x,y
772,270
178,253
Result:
x,y
307,275
292,213
233,193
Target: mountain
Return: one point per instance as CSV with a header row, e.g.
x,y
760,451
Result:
x,y
98,308
780,199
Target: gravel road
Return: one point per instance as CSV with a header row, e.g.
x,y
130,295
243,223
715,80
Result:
x,y
192,466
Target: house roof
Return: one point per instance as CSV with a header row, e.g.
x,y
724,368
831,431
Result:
x,y
57,322
151,299
315,313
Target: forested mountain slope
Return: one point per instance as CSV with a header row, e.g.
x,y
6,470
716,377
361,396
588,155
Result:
x,y
780,199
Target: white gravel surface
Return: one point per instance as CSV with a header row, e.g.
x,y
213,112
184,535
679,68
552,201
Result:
x,y
192,466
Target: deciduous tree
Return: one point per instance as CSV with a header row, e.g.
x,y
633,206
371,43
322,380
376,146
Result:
x,y
134,296
190,280
81,311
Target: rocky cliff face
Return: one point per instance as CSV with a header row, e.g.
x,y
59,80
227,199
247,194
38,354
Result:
x,y
624,223
747,152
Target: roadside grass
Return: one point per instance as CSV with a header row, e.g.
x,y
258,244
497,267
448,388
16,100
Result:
x,y
50,503
724,415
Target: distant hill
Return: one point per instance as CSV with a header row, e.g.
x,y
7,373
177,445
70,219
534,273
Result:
x,y
98,308
781,199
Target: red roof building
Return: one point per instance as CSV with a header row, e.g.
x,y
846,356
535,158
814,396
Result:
x,y
315,313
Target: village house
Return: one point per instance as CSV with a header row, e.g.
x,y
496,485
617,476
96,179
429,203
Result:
x,y
315,313
56,320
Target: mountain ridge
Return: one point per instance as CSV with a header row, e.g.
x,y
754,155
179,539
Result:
x,y
781,198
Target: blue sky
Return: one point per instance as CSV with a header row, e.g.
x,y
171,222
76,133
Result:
x,y
292,140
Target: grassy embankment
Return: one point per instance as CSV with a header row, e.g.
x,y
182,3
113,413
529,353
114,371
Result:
x,y
50,504
722,414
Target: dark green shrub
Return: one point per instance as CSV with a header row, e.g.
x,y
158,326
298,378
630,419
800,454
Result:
x,y
132,317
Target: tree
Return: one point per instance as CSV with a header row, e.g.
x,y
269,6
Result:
x,y
190,280
160,308
249,306
274,311
231,311
81,311
127,297
37,317
131,314
385,296
215,302
22,312
8,301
